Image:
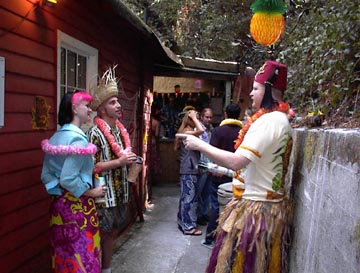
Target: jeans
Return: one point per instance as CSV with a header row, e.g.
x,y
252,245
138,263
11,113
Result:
x,y
203,187
214,215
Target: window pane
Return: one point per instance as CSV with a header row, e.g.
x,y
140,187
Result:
x,y
81,72
71,68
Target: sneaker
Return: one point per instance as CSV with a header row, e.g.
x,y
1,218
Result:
x,y
206,244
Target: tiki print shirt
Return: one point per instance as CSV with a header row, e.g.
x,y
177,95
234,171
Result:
x,y
115,179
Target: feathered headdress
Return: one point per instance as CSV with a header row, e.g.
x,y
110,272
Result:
x,y
107,88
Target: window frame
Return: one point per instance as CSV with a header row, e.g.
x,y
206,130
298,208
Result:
x,y
77,46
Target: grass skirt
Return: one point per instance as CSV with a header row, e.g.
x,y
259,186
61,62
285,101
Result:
x,y
252,237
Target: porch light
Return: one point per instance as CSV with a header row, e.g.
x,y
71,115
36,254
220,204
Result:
x,y
50,2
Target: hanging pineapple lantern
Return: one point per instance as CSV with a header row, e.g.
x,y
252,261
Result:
x,y
267,24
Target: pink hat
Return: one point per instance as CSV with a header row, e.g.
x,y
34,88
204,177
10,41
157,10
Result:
x,y
267,70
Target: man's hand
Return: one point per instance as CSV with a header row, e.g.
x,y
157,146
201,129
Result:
x,y
191,142
127,158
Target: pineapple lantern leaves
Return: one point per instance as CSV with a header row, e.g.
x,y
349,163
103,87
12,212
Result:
x,y
267,24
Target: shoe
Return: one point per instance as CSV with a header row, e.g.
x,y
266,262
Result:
x,y
209,245
193,232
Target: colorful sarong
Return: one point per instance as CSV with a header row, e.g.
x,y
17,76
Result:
x,y
75,237
253,237
188,202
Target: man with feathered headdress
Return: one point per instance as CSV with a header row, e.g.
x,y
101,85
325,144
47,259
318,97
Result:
x,y
111,160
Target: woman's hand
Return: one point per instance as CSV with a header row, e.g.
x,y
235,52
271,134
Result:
x,y
96,192
193,114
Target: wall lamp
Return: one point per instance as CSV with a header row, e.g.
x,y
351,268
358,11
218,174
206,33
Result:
x,y
50,3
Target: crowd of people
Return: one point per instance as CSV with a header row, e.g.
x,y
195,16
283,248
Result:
x,y
251,235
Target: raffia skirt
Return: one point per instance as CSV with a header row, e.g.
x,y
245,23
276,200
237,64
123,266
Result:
x,y
75,237
252,237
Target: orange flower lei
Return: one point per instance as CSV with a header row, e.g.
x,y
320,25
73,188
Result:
x,y
282,107
115,147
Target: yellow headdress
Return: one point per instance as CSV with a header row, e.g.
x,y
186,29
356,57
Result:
x,y
106,88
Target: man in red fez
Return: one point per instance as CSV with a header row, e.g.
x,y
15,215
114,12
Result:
x,y
253,231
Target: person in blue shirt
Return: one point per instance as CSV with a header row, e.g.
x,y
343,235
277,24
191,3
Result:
x,y
67,176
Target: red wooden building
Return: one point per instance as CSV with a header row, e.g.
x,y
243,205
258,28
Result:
x,y
45,51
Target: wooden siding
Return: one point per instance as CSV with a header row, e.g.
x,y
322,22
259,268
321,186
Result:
x,y
28,41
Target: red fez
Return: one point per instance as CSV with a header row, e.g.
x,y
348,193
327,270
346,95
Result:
x,y
266,72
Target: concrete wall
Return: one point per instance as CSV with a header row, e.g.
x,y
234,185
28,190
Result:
x,y
325,177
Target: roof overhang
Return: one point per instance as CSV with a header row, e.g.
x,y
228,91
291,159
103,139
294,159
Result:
x,y
195,67
167,62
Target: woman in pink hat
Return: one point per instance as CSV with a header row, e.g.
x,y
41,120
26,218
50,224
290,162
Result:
x,y
253,232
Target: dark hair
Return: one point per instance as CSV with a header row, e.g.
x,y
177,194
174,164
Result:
x,y
268,101
233,110
66,114
65,110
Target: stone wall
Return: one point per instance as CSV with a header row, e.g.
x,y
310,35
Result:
x,y
325,175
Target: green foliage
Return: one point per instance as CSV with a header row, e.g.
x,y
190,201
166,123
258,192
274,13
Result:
x,y
322,49
321,45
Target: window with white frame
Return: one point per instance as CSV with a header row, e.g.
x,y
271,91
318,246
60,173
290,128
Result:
x,y
77,65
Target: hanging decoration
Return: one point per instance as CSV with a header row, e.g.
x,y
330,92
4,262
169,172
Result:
x,y
40,114
268,23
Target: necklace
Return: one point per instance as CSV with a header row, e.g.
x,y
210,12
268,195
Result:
x,y
282,107
115,147
48,148
231,121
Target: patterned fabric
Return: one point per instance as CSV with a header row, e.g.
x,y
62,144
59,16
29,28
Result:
x,y
115,179
188,202
75,238
269,154
253,232
189,160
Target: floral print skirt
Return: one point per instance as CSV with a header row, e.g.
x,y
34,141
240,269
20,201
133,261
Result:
x,y
75,236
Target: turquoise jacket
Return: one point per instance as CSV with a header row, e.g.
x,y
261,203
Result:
x,y
72,172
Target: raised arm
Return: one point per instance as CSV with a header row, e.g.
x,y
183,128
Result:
x,y
223,158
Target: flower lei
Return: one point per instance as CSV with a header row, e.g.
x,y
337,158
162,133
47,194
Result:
x,y
231,121
48,148
115,147
282,107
